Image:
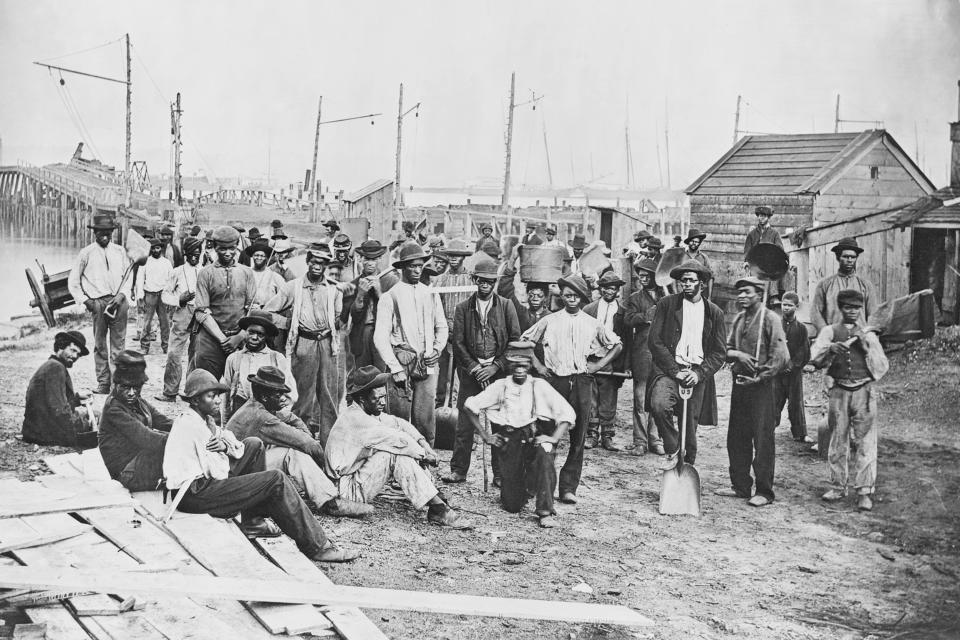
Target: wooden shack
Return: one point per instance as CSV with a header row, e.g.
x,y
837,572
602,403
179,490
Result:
x,y
822,187
373,203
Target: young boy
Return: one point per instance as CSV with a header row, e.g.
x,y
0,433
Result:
x,y
788,385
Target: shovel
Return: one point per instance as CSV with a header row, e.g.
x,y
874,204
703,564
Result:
x,y
680,486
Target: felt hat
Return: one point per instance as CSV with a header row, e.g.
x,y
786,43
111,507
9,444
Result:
x,y
130,368
641,234
409,251
282,245
76,338
850,297
457,247
763,210
655,243
260,244
238,226
104,222
492,249
155,242
371,249
363,378
271,378
551,231
165,230
610,279
847,244
276,230
485,267
647,265
690,265
578,242
200,381
319,250
195,230
693,234
520,351
192,245
254,234
332,224
226,235
261,318
577,283
342,241
485,226
751,281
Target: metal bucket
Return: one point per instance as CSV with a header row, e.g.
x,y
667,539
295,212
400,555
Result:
x,y
541,264
446,418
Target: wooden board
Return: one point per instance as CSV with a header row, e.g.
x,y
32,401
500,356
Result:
x,y
60,624
289,591
64,506
67,464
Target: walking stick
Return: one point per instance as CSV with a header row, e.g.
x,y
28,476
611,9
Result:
x,y
483,454
763,313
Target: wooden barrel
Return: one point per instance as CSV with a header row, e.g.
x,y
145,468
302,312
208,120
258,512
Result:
x,y
539,263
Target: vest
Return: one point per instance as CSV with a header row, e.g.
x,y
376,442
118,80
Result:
x,y
853,365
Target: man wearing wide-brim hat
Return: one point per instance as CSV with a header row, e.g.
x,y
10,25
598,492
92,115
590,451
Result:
x,y
314,307
411,324
289,445
455,285
259,328
53,412
486,237
694,242
132,433
368,448
687,342
225,292
282,251
654,247
331,227
575,347
577,245
528,419
97,281
222,476
609,310
483,324
824,309
360,301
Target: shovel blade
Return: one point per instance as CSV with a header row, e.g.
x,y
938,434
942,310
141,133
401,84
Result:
x,y
680,491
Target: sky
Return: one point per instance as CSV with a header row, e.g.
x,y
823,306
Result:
x,y
665,73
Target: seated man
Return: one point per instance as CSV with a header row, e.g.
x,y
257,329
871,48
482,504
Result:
x,y
222,476
244,362
132,433
289,445
529,418
367,448
53,415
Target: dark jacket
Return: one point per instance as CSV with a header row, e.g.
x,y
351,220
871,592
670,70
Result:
x,y
126,432
502,318
507,288
798,342
639,314
621,362
49,417
252,420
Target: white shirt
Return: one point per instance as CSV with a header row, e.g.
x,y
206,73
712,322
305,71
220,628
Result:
x,y
185,456
421,318
569,339
690,346
154,276
483,308
98,272
183,279
517,405
606,311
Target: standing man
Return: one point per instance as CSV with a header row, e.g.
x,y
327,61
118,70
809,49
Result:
x,y
856,360
266,282
637,317
411,324
531,237
552,237
179,295
788,385
225,292
825,310
654,246
577,245
152,279
482,326
331,228
362,304
312,344
759,234
688,347
171,251
455,286
486,237
694,242
349,264
95,282
575,347
750,433
606,384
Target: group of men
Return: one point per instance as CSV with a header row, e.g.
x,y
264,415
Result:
x,y
327,385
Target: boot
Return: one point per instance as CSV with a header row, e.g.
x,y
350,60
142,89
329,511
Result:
x,y
444,516
864,502
591,441
341,508
260,528
607,443
332,553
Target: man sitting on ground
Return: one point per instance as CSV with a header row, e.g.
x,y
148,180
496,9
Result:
x,y
53,414
289,445
222,476
132,433
367,448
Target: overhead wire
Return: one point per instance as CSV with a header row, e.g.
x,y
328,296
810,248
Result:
x,y
74,114
76,110
76,53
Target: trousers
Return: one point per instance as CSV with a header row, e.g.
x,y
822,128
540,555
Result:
x,y
605,392
104,352
788,389
255,492
181,341
144,472
208,354
152,306
314,367
306,474
578,390
371,478
416,402
665,405
645,432
750,438
463,441
850,416
526,468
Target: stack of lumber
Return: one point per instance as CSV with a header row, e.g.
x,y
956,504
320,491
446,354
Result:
x,y
82,558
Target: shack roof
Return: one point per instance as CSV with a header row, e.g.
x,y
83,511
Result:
x,y
941,209
368,190
794,164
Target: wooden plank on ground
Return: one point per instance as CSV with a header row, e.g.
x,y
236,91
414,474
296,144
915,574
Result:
x,y
60,624
93,466
312,593
67,464
78,503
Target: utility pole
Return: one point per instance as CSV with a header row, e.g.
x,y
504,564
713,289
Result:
x,y
316,149
175,112
836,116
397,196
505,202
666,144
546,150
626,131
736,122
126,159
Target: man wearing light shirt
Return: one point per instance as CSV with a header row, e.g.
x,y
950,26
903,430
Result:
x,y
608,310
179,294
152,279
575,347
95,282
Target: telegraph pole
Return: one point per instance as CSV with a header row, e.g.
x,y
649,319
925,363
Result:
x,y
126,159
316,149
505,202
547,151
175,112
736,121
397,196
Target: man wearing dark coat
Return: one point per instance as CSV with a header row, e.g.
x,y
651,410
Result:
x,y
637,318
609,310
53,414
360,301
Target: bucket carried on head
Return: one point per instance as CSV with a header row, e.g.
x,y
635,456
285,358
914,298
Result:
x,y
540,263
